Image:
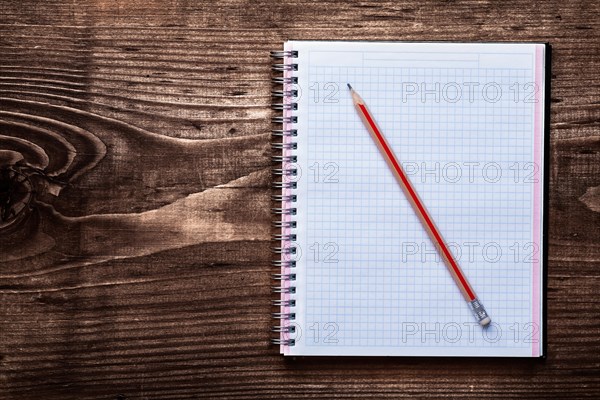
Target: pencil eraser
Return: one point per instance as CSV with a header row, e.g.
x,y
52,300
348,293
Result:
x,y
485,322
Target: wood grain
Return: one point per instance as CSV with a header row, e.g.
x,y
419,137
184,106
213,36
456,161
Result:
x,y
142,271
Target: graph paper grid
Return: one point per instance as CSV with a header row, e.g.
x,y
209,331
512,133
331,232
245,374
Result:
x,y
460,119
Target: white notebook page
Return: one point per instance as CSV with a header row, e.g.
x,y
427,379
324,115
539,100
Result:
x,y
466,123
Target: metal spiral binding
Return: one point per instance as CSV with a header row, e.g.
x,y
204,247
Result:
x,y
287,93
284,224
284,159
282,133
283,107
289,303
291,238
279,198
285,172
280,146
284,264
284,184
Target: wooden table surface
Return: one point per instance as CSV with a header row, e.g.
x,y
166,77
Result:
x,y
142,271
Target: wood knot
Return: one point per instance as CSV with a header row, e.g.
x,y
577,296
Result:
x,y
16,195
591,198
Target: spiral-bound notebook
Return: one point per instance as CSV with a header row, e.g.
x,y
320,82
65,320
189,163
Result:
x,y
357,273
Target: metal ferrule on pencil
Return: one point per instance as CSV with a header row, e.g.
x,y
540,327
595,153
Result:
x,y
479,312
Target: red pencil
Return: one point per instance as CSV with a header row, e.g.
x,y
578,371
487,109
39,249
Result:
x,y
417,204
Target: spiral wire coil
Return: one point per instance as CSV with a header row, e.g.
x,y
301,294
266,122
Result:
x,y
284,185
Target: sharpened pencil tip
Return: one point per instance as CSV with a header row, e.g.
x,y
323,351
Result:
x,y
349,87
